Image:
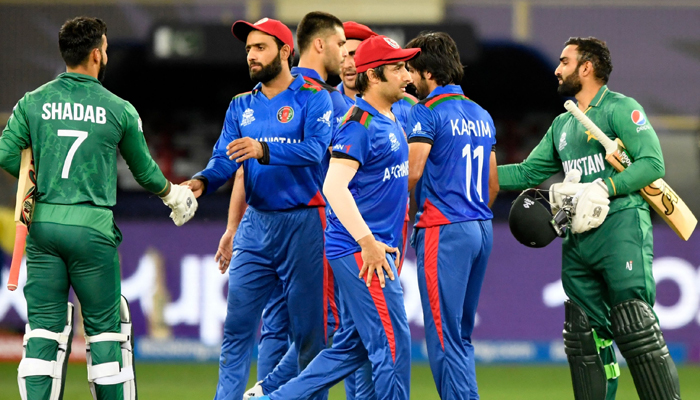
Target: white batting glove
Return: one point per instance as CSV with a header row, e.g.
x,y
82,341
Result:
x,y
182,202
559,191
591,207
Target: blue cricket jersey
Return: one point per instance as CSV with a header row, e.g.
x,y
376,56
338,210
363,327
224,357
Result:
x,y
295,130
455,182
380,185
340,106
401,109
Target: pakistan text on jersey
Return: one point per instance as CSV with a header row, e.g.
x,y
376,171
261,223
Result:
x,y
397,171
462,126
74,112
587,165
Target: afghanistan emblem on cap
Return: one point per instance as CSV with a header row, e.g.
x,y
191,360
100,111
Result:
x,y
285,114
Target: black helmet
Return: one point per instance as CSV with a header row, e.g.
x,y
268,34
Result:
x,y
531,222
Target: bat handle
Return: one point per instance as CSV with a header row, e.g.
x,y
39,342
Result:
x,y
17,253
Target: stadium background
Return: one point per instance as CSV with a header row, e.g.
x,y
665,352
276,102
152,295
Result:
x,y
177,62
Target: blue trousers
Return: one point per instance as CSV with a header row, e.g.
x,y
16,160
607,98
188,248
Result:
x,y
277,359
274,337
451,266
270,247
375,327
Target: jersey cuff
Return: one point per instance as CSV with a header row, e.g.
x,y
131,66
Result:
x,y
420,139
338,154
204,181
265,159
493,148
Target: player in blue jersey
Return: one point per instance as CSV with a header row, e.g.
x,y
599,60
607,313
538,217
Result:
x,y
453,168
321,43
279,132
366,186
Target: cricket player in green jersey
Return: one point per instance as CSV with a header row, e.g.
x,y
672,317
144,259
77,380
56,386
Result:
x,y
74,127
606,261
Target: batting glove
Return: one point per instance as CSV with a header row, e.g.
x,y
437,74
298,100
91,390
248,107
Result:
x,y
591,206
182,202
560,191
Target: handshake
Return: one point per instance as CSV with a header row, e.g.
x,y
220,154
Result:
x,y
588,202
182,202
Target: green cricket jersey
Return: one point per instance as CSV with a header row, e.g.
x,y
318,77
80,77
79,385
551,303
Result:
x,y
75,126
567,145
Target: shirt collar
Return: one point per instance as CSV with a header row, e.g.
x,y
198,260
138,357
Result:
x,y
78,77
296,84
360,102
447,89
599,96
307,72
341,89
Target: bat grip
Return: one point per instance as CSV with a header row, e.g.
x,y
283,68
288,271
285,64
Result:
x,y
17,253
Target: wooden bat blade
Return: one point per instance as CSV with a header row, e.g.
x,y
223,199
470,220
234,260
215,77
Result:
x,y
24,208
670,207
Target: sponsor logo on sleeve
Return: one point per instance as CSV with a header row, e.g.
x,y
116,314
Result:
x,y
248,117
342,147
325,118
640,120
417,128
285,114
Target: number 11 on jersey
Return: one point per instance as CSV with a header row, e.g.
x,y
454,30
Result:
x,y
478,154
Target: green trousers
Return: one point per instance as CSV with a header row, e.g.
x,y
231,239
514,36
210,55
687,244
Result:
x,y
60,257
608,265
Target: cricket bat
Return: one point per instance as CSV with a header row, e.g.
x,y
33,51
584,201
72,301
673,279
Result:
x,y
658,194
24,208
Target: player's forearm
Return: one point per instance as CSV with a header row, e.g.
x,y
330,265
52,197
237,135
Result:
x,y
237,205
640,174
518,177
335,188
494,187
218,171
10,160
307,153
144,169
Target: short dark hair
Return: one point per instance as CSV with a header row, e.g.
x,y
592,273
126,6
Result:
x,y
78,37
280,43
312,25
595,51
439,56
362,80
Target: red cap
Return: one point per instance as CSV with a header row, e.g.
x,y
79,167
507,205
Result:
x,y
380,50
273,27
356,31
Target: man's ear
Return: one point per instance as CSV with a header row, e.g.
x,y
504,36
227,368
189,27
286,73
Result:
x,y
586,69
318,44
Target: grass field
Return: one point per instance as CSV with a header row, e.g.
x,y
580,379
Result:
x,y
198,381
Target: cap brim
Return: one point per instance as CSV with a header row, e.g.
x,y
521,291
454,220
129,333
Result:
x,y
397,56
241,29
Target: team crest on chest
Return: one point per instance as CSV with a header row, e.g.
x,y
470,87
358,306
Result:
x,y
247,117
285,114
